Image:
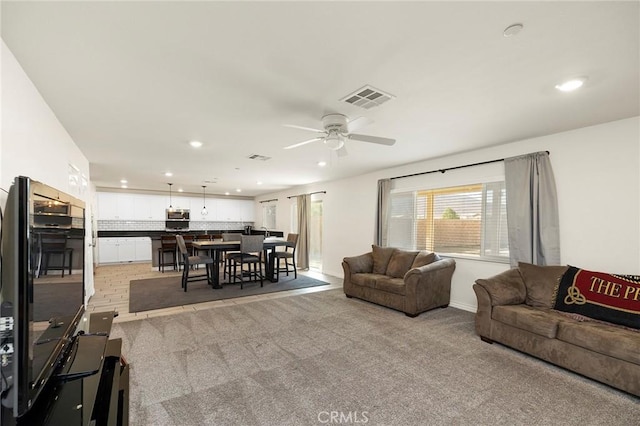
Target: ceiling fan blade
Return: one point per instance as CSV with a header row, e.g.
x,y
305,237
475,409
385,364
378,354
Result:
x,y
342,152
358,123
372,139
293,126
295,145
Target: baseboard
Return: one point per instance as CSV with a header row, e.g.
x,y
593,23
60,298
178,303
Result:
x,y
464,306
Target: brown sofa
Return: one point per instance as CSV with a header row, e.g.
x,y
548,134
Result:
x,y
409,281
514,308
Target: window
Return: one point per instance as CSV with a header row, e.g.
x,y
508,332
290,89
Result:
x,y
468,220
269,215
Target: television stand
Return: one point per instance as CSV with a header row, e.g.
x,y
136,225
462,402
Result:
x,y
91,386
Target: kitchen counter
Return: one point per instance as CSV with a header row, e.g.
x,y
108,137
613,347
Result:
x,y
155,235
128,250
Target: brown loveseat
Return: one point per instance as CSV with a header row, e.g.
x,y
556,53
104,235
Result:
x,y
409,281
515,309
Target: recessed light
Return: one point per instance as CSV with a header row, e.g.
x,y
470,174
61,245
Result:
x,y
168,174
124,186
571,85
180,190
259,183
512,30
238,190
322,163
123,181
195,144
226,193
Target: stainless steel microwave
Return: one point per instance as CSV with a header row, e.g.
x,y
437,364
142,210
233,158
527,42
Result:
x,y
177,214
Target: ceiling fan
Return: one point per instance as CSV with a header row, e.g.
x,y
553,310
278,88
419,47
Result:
x,y
337,129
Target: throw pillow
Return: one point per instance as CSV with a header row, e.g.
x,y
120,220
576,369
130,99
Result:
x,y
506,288
606,297
381,256
423,258
400,263
541,283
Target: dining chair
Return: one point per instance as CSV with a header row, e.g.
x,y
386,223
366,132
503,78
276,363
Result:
x,y
224,258
289,257
188,261
251,248
167,246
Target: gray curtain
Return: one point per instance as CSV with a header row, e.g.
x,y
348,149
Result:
x,y
532,210
382,212
302,249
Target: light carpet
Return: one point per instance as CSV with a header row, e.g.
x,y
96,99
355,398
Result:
x,y
300,360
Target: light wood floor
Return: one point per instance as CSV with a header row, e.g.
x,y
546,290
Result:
x,y
112,291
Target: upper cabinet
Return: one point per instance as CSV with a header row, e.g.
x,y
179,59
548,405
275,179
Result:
x,y
125,206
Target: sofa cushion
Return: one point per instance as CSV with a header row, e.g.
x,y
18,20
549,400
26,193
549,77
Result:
x,y
366,280
423,258
541,283
527,318
506,288
400,263
391,285
381,257
606,339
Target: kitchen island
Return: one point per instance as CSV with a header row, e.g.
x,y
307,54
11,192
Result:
x,y
125,246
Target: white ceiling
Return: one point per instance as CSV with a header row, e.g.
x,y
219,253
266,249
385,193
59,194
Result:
x,y
133,82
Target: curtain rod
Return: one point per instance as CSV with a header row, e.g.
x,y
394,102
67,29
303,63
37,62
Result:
x,y
310,193
452,168
266,201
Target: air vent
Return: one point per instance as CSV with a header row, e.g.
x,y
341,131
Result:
x,y
367,97
258,157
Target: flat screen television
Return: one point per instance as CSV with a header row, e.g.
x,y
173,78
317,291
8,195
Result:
x,y
42,240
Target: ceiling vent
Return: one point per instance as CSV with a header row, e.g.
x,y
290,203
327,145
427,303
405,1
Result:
x,y
367,97
258,157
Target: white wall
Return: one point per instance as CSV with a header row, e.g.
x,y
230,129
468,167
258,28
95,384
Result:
x,y
597,171
34,143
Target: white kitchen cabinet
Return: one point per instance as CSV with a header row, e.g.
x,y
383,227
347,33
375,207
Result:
x,y
149,207
108,250
227,210
115,206
196,209
143,250
132,249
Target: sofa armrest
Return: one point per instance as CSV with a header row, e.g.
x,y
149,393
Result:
x,y
506,288
359,264
429,286
483,314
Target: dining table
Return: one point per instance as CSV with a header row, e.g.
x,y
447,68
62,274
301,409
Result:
x,y
215,248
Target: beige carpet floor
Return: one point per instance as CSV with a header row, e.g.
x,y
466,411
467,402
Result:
x,y
300,360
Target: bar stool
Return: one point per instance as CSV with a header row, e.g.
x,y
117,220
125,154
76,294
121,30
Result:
x,y
168,245
55,245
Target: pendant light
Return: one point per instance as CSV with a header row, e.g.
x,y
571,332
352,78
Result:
x,y
204,211
170,203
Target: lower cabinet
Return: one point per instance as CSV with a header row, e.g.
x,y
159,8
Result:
x,y
118,250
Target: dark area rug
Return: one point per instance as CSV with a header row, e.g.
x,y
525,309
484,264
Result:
x,y
165,292
56,299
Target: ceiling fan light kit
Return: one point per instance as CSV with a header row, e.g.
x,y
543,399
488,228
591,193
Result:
x,y
336,132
